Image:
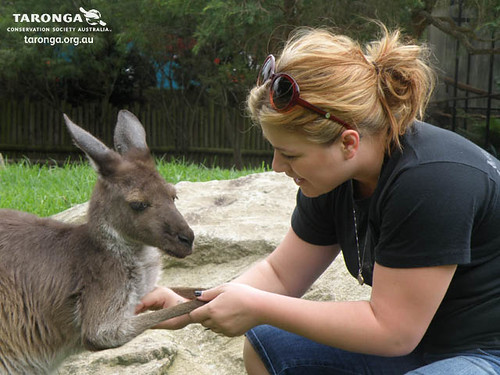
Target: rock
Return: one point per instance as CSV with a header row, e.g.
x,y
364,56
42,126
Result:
x,y
75,215
153,353
236,223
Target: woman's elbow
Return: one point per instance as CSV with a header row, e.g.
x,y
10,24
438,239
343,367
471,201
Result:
x,y
400,345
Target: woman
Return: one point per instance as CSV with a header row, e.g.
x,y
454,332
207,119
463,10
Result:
x,y
414,209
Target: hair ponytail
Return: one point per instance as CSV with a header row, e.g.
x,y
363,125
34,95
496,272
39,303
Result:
x,y
404,81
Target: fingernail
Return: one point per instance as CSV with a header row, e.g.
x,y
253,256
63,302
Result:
x,y
198,293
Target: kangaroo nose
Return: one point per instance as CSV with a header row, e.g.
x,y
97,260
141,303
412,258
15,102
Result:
x,y
185,240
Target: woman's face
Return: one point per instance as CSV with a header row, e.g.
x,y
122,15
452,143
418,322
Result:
x,y
316,169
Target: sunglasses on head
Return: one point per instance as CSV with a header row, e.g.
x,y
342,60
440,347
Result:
x,y
284,93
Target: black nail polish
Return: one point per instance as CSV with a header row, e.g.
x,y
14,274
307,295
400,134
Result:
x,y
198,293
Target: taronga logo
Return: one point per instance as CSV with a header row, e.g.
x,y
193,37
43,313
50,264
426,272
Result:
x,y
92,16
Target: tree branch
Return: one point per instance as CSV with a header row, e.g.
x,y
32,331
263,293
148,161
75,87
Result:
x,y
449,27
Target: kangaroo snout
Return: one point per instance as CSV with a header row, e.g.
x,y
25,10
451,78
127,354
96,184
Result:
x,y
185,240
178,237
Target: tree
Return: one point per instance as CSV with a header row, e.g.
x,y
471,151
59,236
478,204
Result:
x,y
481,28
185,52
56,72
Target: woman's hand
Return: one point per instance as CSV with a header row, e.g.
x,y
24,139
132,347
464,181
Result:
x,y
161,298
232,309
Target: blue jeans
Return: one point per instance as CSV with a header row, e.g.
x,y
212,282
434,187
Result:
x,y
285,353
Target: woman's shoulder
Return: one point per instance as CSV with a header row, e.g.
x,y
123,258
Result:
x,y
426,144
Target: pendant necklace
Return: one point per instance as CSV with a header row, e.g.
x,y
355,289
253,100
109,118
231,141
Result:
x,y
361,258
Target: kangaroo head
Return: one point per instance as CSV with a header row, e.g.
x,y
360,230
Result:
x,y
131,201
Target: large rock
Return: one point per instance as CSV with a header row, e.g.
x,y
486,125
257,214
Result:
x,y
237,223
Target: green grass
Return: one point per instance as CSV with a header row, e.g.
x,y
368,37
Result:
x,y
45,190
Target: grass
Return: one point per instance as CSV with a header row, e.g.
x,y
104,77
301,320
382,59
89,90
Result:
x,y
46,190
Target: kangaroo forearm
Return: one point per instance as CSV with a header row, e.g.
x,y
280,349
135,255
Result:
x,y
104,339
159,316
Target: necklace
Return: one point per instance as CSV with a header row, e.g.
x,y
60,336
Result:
x,y
361,257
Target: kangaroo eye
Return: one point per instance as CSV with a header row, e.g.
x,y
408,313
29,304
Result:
x,y
138,206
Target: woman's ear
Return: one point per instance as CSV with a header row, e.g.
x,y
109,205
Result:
x,y
349,143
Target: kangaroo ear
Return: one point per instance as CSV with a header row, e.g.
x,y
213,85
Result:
x,y
129,133
99,155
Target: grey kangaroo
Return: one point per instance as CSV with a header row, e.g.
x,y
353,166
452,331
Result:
x,y
65,288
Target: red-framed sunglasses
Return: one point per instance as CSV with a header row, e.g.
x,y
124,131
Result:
x,y
284,93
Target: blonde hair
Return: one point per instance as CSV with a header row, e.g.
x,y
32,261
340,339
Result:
x,y
382,88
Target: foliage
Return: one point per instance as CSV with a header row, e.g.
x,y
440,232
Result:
x,y
206,46
64,72
199,49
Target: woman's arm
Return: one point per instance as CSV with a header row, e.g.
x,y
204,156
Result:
x,y
291,268
392,323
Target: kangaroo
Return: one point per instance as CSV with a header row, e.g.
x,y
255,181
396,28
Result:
x,y
65,288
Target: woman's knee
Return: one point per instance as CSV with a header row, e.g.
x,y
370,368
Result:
x,y
253,363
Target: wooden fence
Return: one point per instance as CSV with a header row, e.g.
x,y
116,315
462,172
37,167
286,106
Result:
x,y
203,133
467,99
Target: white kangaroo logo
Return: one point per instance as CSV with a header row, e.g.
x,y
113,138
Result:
x,y
93,17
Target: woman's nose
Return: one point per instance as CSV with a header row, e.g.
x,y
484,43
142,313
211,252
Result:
x,y
279,164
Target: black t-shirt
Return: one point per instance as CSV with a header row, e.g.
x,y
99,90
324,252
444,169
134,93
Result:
x,y
436,203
